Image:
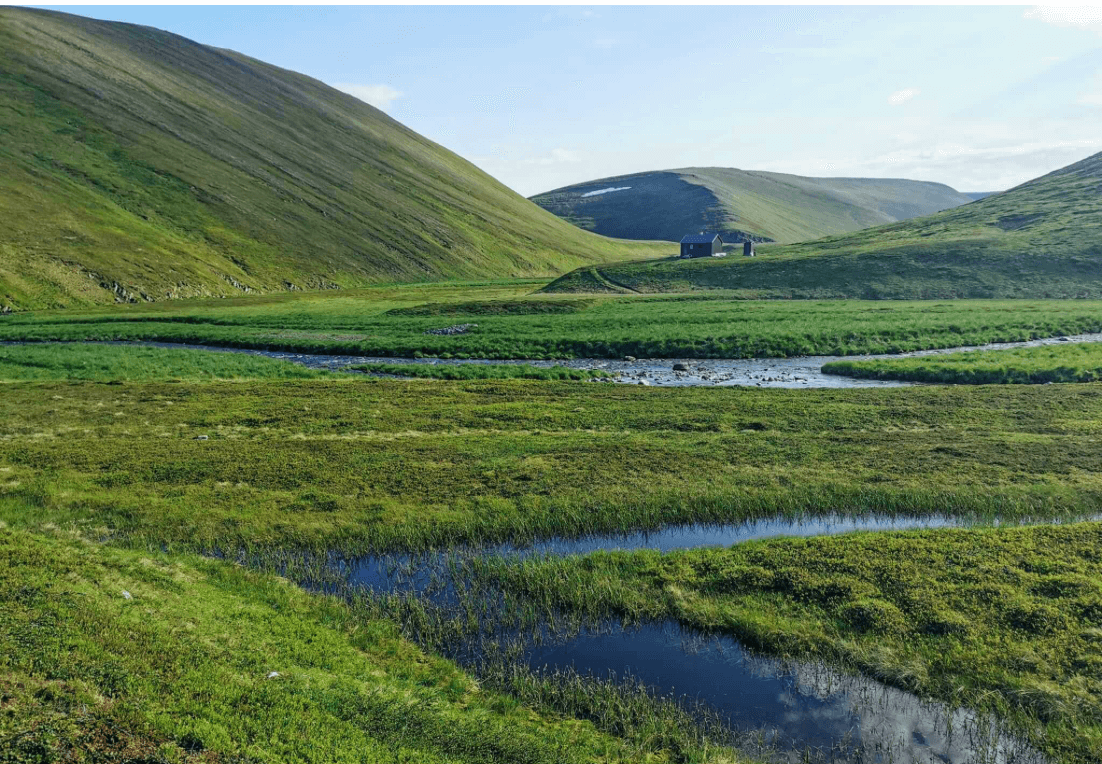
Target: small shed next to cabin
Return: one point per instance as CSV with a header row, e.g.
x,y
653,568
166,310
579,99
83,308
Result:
x,y
701,245
748,249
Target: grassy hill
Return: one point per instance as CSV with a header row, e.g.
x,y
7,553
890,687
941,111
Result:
x,y
1042,239
742,205
136,164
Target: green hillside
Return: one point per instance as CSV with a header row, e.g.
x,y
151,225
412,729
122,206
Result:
x,y
1042,239
742,205
136,164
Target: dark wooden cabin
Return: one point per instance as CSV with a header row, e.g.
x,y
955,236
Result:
x,y
702,245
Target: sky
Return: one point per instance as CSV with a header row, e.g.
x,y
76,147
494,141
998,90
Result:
x,y
980,98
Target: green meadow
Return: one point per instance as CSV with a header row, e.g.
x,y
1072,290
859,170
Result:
x,y
1019,366
121,465
511,322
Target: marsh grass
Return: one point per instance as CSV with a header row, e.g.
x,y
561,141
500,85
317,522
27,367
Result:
x,y
1004,620
1073,362
181,671
675,326
357,465
113,363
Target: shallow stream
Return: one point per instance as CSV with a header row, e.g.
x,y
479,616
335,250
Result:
x,y
800,372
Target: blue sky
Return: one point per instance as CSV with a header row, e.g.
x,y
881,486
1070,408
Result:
x,y
981,98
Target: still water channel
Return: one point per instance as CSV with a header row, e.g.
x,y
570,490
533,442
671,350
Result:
x,y
788,711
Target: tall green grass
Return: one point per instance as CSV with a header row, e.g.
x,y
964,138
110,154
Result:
x,y
1021,366
103,363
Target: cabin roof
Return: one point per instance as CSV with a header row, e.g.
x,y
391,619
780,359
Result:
x,y
700,238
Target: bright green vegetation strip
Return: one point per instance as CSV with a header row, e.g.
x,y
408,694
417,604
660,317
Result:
x,y
1003,619
113,363
479,371
356,463
183,671
1023,366
393,322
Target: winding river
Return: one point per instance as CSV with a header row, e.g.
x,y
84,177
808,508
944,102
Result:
x,y
799,372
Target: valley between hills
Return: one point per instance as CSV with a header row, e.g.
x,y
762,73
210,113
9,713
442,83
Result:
x,y
319,444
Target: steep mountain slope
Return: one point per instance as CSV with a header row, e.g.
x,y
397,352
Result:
x,y
742,205
1041,239
138,164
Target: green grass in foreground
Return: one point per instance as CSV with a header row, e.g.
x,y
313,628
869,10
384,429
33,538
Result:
x,y
1021,366
392,322
1008,620
180,673
479,371
353,463
104,363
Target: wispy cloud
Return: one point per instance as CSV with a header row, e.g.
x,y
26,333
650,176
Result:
x,y
902,96
379,96
1093,95
571,14
557,156
1081,17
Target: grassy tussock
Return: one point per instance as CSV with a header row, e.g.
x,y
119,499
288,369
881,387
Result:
x,y
356,464
1024,366
1008,620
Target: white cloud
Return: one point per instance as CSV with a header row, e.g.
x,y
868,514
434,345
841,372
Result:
x,y
379,96
1093,96
557,156
1080,17
902,96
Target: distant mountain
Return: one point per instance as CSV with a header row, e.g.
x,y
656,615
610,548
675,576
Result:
x,y
1042,239
742,205
977,195
136,164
